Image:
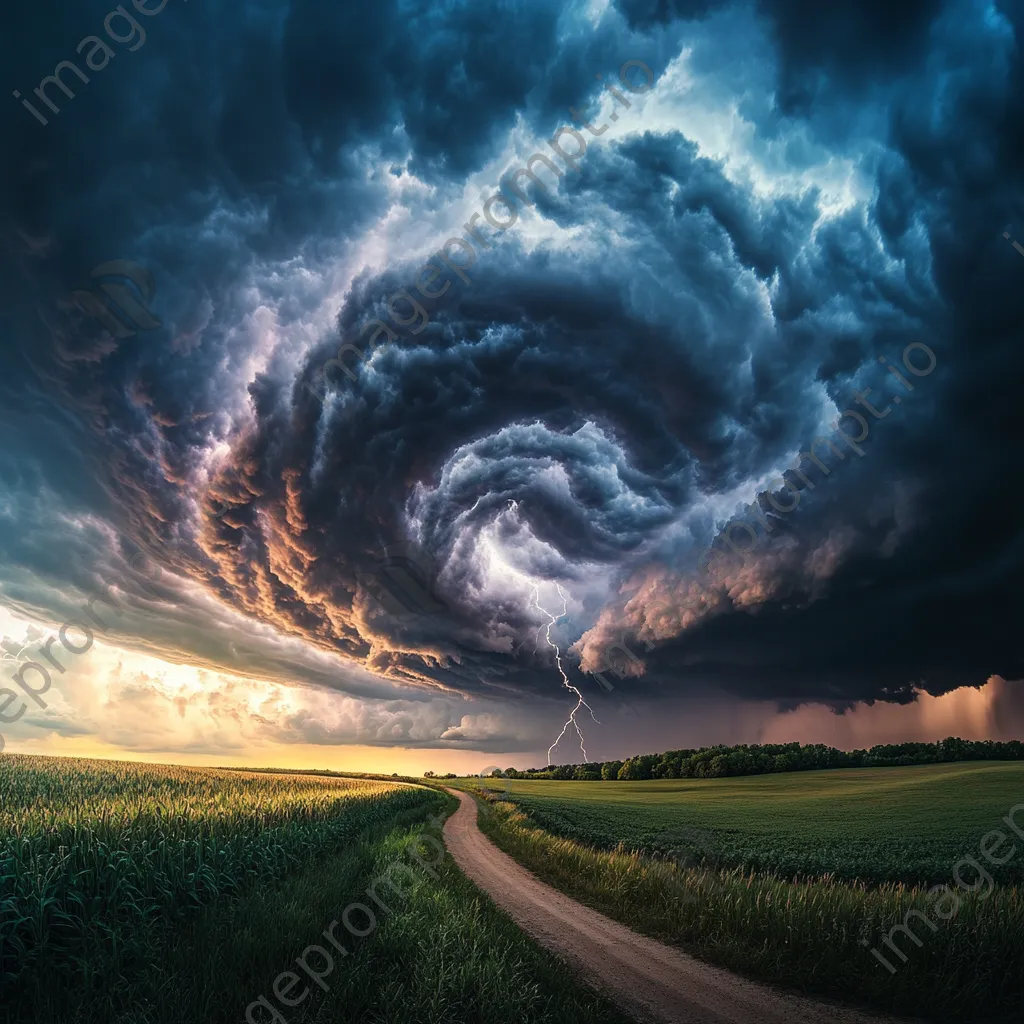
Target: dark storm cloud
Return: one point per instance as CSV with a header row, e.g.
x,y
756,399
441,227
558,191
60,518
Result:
x,y
939,609
849,39
585,408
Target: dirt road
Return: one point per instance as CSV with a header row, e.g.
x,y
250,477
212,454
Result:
x,y
651,981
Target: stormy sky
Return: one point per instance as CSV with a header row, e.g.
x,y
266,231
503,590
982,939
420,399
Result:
x,y
545,415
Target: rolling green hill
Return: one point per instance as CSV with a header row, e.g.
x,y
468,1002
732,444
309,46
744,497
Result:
x,y
876,824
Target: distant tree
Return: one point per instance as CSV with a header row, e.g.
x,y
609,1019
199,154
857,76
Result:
x,y
952,749
755,759
585,774
428,775
637,768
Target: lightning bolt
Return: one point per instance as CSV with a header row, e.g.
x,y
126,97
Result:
x,y
580,702
513,509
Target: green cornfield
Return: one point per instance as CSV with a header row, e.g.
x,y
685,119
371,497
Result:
x,y
99,861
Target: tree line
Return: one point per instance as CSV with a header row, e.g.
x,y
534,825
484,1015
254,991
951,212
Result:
x,y
763,758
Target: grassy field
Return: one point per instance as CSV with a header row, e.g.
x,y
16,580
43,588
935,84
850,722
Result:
x,y
138,894
874,824
729,896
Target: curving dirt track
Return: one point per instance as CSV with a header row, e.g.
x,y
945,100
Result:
x,y
651,981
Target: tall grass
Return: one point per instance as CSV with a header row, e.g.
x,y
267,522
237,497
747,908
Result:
x,y
99,859
448,956
805,934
